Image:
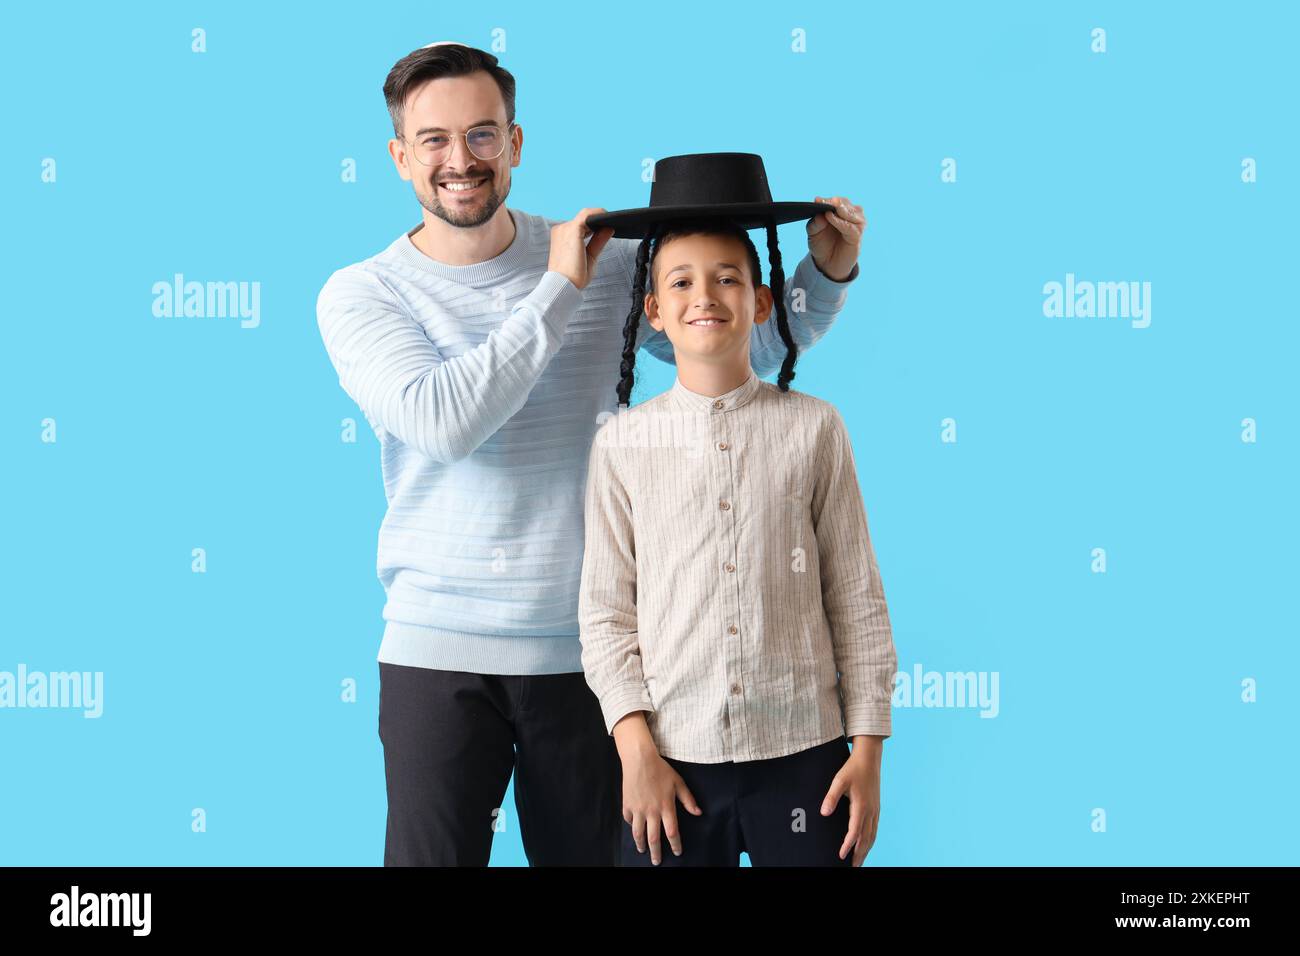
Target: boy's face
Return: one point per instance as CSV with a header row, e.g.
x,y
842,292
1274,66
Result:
x,y
700,277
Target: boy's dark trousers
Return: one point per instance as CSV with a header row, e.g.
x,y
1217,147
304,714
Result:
x,y
451,741
770,809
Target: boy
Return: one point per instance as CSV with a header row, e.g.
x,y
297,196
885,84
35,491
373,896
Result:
x,y
727,576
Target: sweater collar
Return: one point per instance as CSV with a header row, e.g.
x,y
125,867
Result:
x,y
716,404
498,267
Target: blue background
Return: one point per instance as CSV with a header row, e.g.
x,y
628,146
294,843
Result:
x,y
1119,691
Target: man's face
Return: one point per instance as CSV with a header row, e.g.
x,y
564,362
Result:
x,y
702,277
448,107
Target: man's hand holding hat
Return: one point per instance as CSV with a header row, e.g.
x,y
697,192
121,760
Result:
x,y
835,238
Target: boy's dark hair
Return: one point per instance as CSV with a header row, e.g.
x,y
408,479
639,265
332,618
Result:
x,y
435,62
661,233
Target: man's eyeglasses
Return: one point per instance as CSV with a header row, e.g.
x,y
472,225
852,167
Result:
x,y
485,142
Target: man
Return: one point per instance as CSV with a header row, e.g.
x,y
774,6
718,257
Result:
x,y
484,347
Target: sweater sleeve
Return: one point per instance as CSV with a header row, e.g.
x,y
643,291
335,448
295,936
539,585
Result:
x,y
443,407
812,302
607,618
852,593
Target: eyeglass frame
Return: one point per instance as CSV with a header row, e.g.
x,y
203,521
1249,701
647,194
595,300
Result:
x,y
465,136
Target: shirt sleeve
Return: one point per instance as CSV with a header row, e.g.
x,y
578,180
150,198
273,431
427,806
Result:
x,y
443,407
607,618
852,593
812,302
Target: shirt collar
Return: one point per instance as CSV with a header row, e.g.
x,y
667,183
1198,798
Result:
x,y
716,404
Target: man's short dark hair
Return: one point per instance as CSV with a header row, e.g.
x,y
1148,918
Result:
x,y
435,62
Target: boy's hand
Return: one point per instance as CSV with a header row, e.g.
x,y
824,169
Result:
x,y
651,788
860,779
834,238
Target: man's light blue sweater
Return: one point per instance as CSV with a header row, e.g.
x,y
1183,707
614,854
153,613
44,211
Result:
x,y
485,385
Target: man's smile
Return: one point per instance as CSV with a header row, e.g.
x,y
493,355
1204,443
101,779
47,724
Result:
x,y
462,187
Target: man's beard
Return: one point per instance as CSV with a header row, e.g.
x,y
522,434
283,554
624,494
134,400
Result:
x,y
465,217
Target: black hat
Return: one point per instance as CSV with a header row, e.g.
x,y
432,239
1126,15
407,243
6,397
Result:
x,y
697,185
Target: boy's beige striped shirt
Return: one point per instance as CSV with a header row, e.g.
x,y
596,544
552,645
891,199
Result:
x,y
728,575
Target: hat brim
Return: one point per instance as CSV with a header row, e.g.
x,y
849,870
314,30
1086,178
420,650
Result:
x,y
635,223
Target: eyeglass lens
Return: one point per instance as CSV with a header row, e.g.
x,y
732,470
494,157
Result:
x,y
485,142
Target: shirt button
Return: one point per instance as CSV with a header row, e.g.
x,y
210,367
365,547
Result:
x,y
724,506
735,688
729,567
718,404
722,446
731,629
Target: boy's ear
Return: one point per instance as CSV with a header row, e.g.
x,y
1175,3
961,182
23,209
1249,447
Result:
x,y
762,304
651,308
